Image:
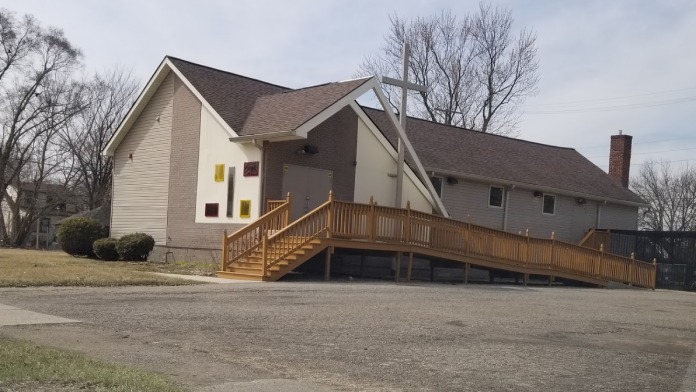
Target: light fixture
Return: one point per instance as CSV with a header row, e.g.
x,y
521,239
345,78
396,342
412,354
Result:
x,y
307,149
537,194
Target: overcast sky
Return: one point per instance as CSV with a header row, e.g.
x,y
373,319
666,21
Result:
x,y
604,65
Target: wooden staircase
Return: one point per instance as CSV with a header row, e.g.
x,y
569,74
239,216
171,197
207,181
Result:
x,y
251,267
271,247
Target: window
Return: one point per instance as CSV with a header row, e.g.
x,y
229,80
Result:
x,y
230,191
43,225
219,172
549,204
437,184
211,210
495,196
245,208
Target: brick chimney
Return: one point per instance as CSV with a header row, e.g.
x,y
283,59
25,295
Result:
x,y
620,157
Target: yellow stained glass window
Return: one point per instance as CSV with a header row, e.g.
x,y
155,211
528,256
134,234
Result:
x,y
220,172
245,208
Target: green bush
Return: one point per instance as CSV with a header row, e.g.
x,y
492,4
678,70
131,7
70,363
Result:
x,y
135,247
105,249
76,235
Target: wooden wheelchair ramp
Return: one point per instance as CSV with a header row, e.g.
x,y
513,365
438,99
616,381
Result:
x,y
272,246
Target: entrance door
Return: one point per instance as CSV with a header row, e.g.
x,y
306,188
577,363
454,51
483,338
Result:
x,y
309,187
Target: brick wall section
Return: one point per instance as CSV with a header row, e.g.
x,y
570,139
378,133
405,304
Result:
x,y
182,229
336,138
620,158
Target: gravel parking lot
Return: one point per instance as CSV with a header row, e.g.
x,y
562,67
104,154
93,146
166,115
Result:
x,y
379,336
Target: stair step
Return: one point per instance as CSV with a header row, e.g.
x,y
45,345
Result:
x,y
255,264
239,276
255,269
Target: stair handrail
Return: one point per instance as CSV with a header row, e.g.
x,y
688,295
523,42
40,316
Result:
x,y
444,235
283,249
244,241
448,235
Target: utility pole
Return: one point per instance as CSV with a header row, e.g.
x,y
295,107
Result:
x,y
405,86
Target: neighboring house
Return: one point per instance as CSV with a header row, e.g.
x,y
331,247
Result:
x,y
202,150
514,185
53,202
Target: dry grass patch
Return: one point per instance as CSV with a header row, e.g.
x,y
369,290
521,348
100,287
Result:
x,y
27,367
22,267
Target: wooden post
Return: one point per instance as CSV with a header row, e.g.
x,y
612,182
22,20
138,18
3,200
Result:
x,y
327,263
629,278
526,256
468,235
362,265
551,279
466,272
654,283
553,246
407,229
397,273
371,220
225,251
410,267
601,260
264,255
287,211
329,216
525,277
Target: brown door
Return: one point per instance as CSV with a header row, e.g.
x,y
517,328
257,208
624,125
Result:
x,y
308,187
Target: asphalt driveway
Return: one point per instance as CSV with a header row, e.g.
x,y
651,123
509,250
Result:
x,y
378,336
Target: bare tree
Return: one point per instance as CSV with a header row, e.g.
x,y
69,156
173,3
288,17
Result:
x,y
475,69
671,195
110,96
37,97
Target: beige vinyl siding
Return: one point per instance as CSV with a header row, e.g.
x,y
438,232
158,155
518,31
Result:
x,y
141,183
470,199
614,216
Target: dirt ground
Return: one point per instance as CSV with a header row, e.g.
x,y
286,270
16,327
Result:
x,y
379,336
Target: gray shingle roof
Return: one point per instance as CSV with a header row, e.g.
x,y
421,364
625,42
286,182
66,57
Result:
x,y
288,110
252,107
452,149
231,95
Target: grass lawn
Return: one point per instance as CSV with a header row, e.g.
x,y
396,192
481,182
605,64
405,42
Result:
x,y
23,267
26,367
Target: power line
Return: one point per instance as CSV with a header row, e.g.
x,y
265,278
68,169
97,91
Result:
x,y
643,163
640,142
594,100
648,152
615,107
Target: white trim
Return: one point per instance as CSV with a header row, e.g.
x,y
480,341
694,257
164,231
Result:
x,y
165,66
543,201
313,122
502,197
409,147
392,151
205,103
155,81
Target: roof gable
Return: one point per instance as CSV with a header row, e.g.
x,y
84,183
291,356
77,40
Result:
x,y
220,89
289,110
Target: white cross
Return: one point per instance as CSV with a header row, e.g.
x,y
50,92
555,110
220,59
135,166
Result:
x,y
405,86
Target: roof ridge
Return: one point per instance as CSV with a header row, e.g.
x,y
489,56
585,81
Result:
x,y
228,72
473,130
323,84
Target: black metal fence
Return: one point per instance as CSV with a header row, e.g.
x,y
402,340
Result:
x,y
674,251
